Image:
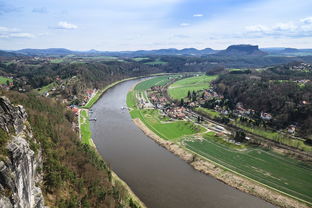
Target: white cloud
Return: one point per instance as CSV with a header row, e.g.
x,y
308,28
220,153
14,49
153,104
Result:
x,y
301,28
22,35
198,15
307,20
184,24
66,26
6,29
285,27
6,32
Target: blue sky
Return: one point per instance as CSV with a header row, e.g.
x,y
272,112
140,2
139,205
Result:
x,y
152,24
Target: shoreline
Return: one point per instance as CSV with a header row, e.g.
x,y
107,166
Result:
x,y
99,94
223,174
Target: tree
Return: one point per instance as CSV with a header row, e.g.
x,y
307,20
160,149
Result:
x,y
240,136
189,95
182,102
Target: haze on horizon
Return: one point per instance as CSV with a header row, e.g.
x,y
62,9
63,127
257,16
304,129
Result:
x,y
142,24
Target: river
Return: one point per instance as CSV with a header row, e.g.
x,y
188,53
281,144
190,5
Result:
x,y
156,176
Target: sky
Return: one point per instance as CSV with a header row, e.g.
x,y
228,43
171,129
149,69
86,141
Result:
x,y
119,25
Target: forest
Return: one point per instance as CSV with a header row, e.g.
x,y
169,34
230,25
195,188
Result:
x,y
281,91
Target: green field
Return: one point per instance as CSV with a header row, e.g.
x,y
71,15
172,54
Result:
x,y
179,89
285,174
208,112
159,124
3,80
140,59
158,81
85,130
47,88
57,60
156,62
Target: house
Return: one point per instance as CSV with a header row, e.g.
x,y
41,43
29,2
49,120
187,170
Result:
x,y
75,110
291,129
266,116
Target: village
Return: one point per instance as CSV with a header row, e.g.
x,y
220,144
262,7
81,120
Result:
x,y
156,98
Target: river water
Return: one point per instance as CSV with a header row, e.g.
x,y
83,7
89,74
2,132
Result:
x,y
156,176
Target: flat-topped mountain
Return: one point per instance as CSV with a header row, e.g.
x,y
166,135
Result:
x,y
242,50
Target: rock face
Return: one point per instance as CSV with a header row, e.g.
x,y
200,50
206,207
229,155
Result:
x,y
19,169
242,50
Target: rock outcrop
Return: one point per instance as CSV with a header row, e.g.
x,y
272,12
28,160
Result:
x,y
19,168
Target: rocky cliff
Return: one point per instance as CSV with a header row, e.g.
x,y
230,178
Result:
x,y
21,162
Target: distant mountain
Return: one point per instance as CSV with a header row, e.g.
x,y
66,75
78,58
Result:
x,y
233,50
172,51
64,52
242,50
45,52
7,54
290,50
287,51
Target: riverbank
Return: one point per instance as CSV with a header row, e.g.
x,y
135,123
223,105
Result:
x,y
223,174
98,95
85,135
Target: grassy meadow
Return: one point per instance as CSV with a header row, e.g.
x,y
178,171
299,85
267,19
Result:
x,y
85,130
3,80
158,81
180,88
280,172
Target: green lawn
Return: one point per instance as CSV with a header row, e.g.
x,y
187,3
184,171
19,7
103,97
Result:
x,y
85,130
285,174
3,80
179,89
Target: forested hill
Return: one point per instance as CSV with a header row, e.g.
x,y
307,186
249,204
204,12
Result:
x,y
283,91
74,175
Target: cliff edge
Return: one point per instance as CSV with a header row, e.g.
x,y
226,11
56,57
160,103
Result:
x,y
20,160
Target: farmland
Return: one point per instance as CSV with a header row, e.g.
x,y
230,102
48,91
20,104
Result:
x,y
158,81
180,88
285,174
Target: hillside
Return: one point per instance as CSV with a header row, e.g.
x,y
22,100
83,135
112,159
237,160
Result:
x,y
72,174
